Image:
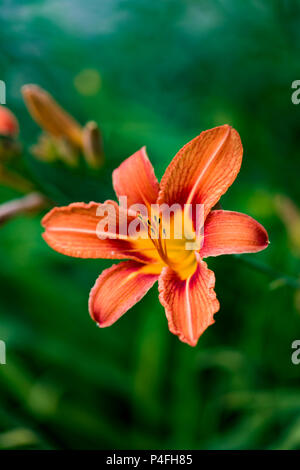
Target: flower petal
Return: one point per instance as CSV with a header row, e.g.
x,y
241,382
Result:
x,y
117,289
190,304
203,169
135,179
227,232
8,122
74,231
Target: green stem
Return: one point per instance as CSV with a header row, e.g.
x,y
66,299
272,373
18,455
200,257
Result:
x,y
15,181
282,279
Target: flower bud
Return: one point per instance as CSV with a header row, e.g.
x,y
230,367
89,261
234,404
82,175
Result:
x,y
92,145
50,116
50,149
8,123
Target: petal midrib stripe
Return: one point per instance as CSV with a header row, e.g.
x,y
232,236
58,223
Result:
x,y
194,188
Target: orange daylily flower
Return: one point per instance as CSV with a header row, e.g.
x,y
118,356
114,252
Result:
x,y
200,173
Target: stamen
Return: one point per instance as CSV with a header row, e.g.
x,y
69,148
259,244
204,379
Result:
x,y
155,233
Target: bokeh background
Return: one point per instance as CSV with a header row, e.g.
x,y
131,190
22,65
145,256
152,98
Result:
x,y
154,73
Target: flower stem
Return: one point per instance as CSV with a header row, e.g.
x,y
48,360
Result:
x,y
279,279
30,203
14,180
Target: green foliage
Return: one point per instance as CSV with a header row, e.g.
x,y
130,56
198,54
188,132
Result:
x,y
167,70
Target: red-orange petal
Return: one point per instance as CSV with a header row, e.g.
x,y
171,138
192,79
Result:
x,y
227,232
203,169
135,178
189,304
73,231
8,122
117,289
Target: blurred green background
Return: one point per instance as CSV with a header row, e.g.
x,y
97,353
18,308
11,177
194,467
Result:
x,y
154,73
